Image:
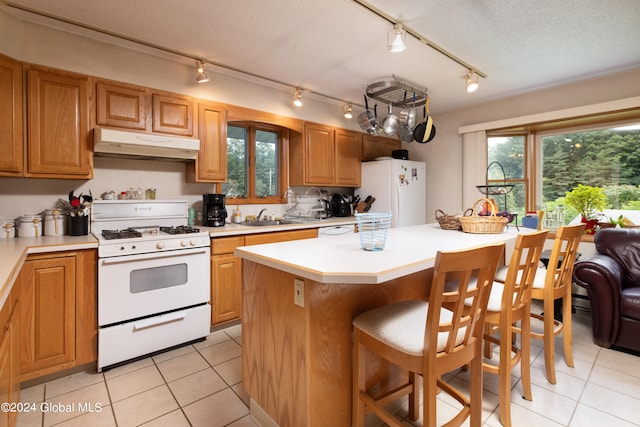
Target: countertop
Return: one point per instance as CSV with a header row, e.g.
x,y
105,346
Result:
x,y
14,251
339,259
237,229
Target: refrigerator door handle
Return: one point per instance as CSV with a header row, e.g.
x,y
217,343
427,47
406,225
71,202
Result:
x,y
397,209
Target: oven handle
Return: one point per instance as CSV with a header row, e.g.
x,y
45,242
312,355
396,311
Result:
x,y
168,254
157,321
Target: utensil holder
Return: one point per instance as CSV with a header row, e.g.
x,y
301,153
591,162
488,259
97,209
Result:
x,y
78,225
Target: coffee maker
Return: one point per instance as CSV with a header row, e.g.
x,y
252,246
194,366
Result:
x,y
214,212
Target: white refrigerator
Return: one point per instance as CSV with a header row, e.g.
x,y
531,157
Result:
x,y
399,187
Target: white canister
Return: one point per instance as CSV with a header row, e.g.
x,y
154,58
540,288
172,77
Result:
x,y
8,229
29,226
53,222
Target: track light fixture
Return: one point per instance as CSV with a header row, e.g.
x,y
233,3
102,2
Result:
x,y
397,39
297,98
471,80
348,111
201,76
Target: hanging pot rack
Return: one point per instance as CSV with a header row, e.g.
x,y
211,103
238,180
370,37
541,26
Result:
x,y
392,92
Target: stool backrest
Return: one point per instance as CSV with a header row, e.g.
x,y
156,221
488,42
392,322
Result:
x,y
563,255
522,270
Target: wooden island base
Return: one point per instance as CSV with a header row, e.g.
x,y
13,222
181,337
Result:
x,y
296,361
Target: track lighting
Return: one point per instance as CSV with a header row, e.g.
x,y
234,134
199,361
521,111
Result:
x,y
471,79
397,39
348,111
297,98
201,76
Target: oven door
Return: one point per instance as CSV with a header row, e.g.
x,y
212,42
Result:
x,y
135,286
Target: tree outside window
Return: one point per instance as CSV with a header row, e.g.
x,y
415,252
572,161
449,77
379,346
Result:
x,y
254,163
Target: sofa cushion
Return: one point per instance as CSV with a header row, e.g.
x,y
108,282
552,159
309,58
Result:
x,y
630,303
623,245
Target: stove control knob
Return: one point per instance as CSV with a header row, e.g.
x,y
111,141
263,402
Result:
x,y
122,248
160,245
193,242
183,243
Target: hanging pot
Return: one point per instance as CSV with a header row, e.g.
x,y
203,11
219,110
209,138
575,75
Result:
x,y
405,133
426,130
367,120
390,124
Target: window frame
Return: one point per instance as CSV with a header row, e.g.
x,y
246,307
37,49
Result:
x,y
283,163
526,176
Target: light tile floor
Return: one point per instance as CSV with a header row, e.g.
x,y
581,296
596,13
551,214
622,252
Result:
x,y
200,385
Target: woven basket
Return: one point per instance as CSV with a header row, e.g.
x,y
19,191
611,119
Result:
x,y
477,224
451,222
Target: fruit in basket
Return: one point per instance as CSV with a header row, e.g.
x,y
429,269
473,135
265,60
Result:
x,y
506,214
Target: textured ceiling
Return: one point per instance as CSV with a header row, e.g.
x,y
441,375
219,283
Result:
x,y
338,47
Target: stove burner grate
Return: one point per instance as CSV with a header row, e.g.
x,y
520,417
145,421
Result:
x,y
121,234
182,229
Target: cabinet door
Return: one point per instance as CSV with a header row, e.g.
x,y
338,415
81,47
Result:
x,y
371,147
58,125
348,155
319,154
119,106
388,145
280,236
9,359
173,114
47,315
211,164
227,287
11,141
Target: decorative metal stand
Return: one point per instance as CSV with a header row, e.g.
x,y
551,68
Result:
x,y
498,189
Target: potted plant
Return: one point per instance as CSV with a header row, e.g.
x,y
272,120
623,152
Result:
x,y
589,202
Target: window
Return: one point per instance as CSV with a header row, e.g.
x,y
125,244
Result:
x,y
608,158
255,159
507,165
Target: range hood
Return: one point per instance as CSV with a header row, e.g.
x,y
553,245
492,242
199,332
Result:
x,y
109,142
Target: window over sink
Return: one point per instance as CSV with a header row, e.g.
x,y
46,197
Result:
x,y
255,163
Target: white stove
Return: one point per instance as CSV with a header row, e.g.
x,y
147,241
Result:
x,y
153,278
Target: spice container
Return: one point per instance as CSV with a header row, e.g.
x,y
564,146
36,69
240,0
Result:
x,y
29,226
8,230
53,223
236,216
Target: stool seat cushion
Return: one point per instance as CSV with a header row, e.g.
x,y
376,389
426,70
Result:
x,y
402,326
538,280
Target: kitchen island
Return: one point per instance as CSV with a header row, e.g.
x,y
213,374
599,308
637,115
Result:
x,y
299,299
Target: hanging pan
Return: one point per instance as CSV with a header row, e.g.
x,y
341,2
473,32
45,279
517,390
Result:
x,y
367,120
405,133
390,124
426,130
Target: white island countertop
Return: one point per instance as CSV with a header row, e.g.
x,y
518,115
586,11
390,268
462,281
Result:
x,y
339,259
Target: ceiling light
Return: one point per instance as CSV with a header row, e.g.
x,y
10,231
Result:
x,y
201,76
397,39
348,111
471,79
297,98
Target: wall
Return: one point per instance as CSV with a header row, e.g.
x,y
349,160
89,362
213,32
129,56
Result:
x,y
34,43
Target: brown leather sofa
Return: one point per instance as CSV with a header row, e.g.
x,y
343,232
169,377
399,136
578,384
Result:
x,y
612,280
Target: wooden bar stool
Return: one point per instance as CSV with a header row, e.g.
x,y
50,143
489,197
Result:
x,y
551,284
429,339
510,303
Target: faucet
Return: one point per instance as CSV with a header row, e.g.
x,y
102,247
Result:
x,y
260,214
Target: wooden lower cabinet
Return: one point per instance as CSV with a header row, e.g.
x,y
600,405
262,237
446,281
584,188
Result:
x,y
58,318
9,358
226,269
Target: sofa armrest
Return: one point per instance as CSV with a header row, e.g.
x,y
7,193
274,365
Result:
x,y
601,276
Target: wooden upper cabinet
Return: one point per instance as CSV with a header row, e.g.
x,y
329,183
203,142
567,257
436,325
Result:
x,y
320,154
173,114
211,164
120,106
58,134
374,146
348,158
11,141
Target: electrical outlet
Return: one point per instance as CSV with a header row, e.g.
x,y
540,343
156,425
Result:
x,y
298,292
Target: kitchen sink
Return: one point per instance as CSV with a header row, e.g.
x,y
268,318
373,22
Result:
x,y
262,223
